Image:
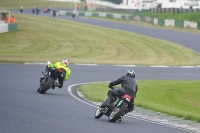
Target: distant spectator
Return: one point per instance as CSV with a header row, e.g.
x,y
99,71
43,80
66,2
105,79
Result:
x,y
5,19
12,19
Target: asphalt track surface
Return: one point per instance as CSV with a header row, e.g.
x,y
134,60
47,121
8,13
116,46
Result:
x,y
22,109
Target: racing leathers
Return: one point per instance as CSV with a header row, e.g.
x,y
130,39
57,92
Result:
x,y
128,86
66,72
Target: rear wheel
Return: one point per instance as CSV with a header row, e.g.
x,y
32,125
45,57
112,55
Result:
x,y
46,86
117,112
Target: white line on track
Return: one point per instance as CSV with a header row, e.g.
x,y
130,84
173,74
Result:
x,y
161,122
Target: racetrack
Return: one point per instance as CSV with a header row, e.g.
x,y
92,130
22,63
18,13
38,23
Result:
x,y
25,110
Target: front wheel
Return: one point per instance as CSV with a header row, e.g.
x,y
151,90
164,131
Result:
x,y
98,113
46,86
117,112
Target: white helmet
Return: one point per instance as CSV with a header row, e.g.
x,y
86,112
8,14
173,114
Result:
x,y
131,73
65,61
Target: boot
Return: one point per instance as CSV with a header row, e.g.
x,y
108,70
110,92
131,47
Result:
x,y
107,104
58,85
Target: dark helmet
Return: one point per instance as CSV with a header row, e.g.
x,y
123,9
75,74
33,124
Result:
x,y
130,73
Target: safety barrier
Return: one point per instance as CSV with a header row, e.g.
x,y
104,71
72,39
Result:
x,y
155,21
4,27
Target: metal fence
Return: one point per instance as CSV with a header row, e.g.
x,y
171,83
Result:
x,y
176,10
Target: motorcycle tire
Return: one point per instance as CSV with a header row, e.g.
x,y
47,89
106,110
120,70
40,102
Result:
x,y
38,90
117,112
46,86
98,113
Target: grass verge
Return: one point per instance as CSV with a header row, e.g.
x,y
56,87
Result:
x,y
178,98
43,38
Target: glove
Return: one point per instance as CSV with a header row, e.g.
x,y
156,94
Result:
x,y
110,86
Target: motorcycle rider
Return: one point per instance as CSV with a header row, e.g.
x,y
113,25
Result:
x,y
37,10
128,86
74,13
54,12
66,72
33,10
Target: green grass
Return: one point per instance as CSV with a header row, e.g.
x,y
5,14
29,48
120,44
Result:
x,y
28,4
178,98
39,39
42,38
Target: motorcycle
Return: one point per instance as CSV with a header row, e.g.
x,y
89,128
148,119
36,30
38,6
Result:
x,y
46,10
33,11
73,15
54,13
37,11
117,108
21,10
48,81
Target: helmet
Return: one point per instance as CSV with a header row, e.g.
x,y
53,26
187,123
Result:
x,y
65,61
130,73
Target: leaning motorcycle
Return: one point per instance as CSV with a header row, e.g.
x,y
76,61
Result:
x,y
118,107
73,15
54,13
48,81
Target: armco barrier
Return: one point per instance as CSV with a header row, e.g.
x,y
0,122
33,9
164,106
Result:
x,y
94,14
169,22
142,18
109,15
12,26
198,25
148,19
189,24
155,21
179,23
4,27
119,16
161,22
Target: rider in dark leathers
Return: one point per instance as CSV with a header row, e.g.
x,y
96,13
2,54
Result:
x,y
128,86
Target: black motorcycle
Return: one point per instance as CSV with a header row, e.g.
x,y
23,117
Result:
x,y
73,15
21,10
33,11
54,13
118,107
37,11
48,81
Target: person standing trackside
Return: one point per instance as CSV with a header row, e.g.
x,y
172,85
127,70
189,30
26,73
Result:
x,y
21,9
5,19
12,19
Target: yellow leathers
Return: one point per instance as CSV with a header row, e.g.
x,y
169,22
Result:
x,y
61,65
